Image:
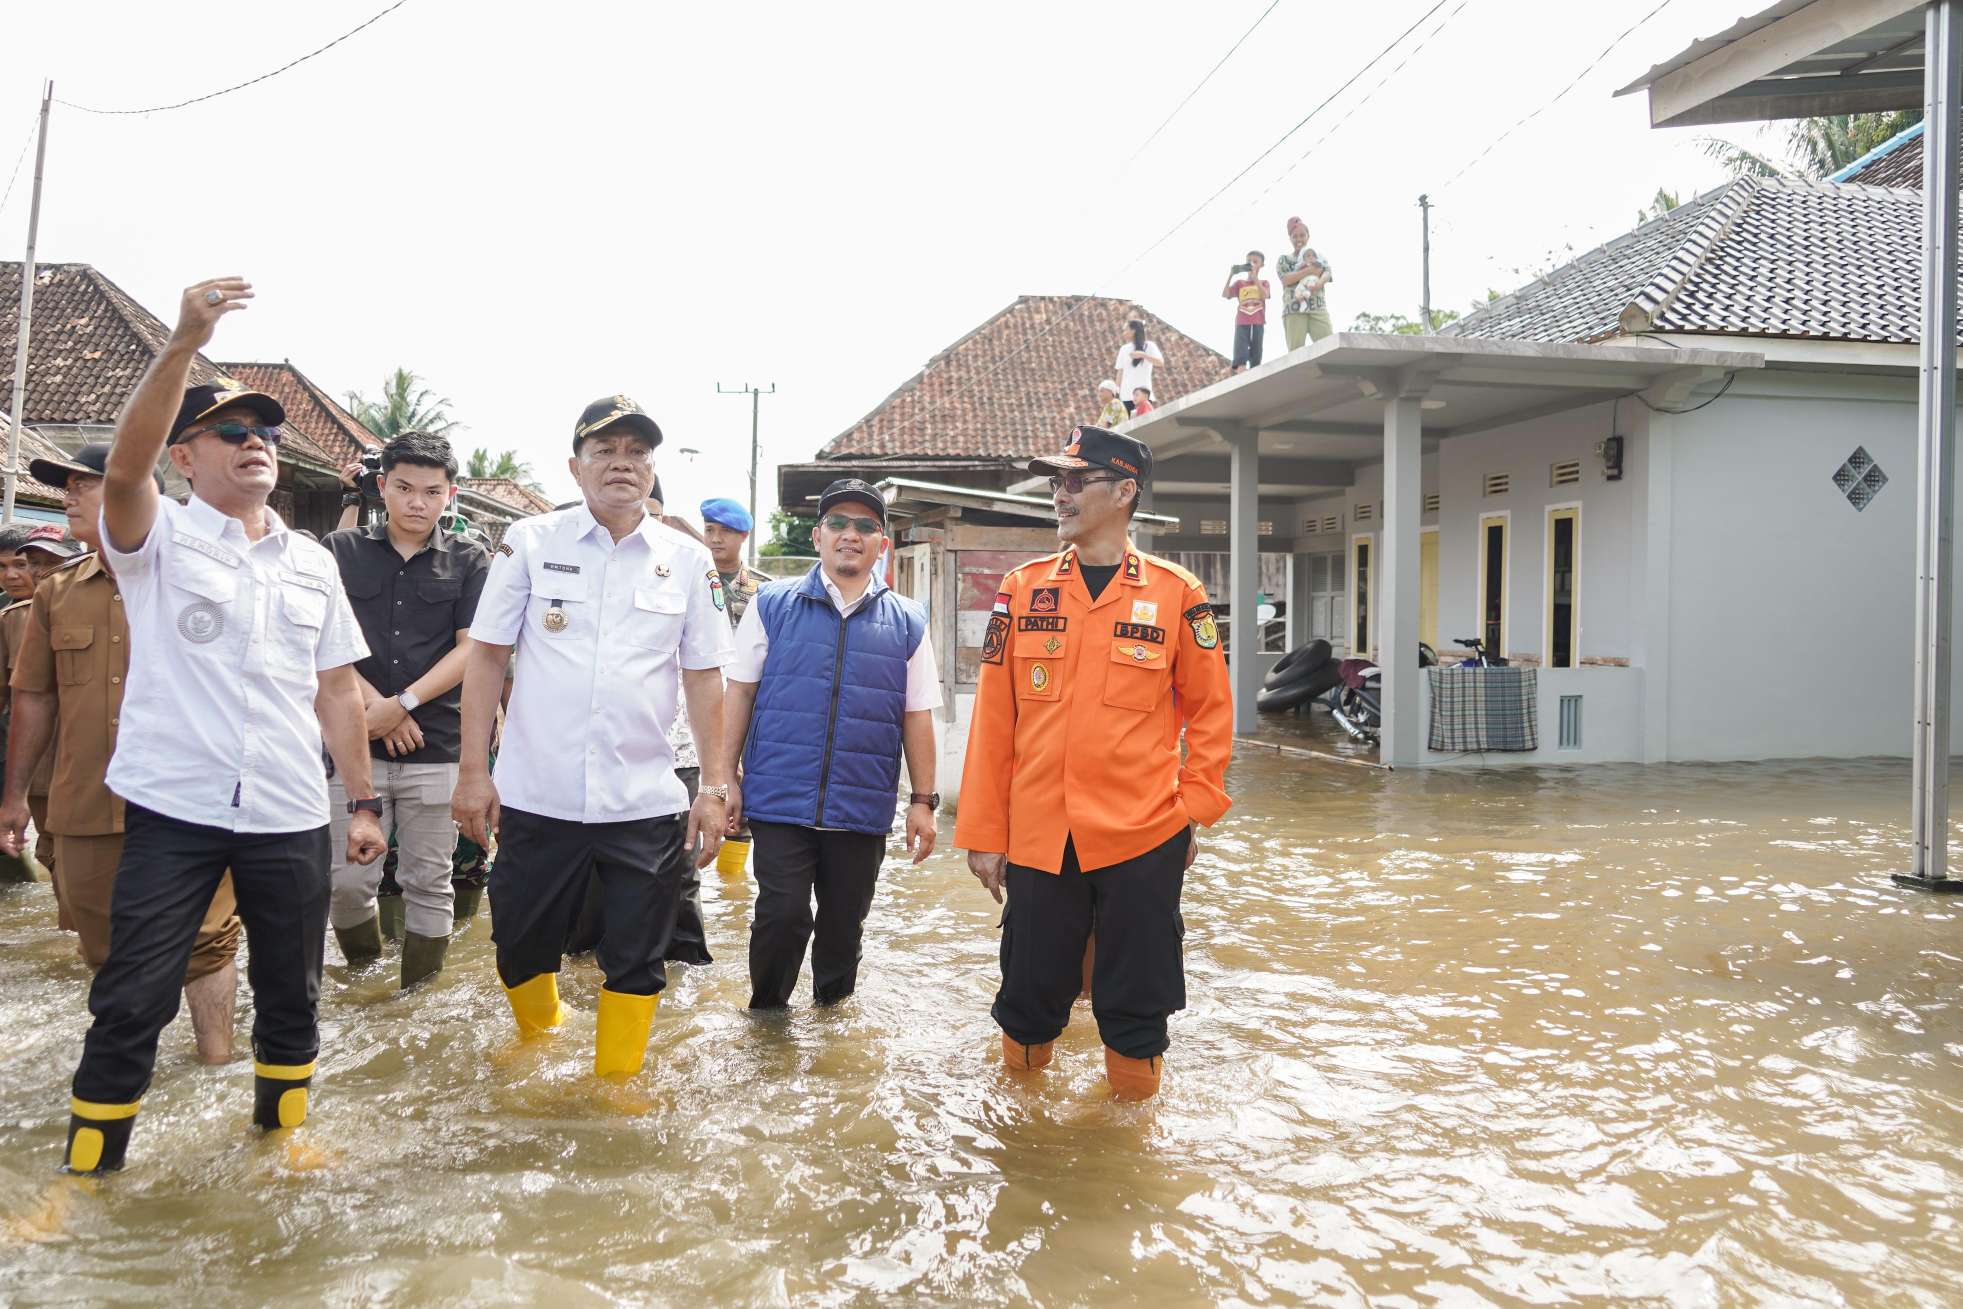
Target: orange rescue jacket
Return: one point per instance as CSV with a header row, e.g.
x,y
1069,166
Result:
x,y
1077,717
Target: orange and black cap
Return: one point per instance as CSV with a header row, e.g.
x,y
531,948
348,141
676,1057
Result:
x,y
1094,447
200,402
615,410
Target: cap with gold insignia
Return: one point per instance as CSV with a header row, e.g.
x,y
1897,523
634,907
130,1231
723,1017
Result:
x,y
602,414
202,401
1095,447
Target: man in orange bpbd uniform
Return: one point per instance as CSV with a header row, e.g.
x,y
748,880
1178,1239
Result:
x,y
1075,799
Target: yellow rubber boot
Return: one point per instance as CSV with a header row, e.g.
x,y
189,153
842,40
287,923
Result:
x,y
1026,1058
98,1134
1132,1079
535,1004
731,858
279,1094
620,1037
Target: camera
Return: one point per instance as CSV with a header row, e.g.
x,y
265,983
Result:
x,y
369,483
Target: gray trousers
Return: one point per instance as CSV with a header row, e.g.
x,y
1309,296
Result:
x,y
416,812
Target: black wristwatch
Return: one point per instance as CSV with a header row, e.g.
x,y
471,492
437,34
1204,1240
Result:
x,y
369,806
349,499
932,800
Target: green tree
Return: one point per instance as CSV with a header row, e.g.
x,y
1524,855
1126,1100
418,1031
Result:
x,y
1662,203
789,535
406,405
505,464
1815,147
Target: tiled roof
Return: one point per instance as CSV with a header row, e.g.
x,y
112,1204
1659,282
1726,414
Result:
x,y
516,494
32,446
1015,384
1895,162
1758,257
336,431
90,344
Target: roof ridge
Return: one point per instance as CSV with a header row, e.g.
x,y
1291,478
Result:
x,y
1656,297
1882,151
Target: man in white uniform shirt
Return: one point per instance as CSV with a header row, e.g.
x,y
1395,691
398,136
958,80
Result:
x,y
600,602
242,659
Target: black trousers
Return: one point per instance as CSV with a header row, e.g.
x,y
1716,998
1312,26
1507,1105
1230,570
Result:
x,y
539,881
793,864
1138,978
164,885
689,942
1247,343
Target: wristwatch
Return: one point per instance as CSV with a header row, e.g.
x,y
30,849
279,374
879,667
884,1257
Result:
x,y
349,499
721,791
932,799
408,700
372,805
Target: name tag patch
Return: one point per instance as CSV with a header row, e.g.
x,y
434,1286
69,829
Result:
x,y
561,568
1139,632
1042,623
205,548
307,580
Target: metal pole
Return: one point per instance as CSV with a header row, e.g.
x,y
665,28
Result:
x,y
26,311
1936,450
1424,211
756,398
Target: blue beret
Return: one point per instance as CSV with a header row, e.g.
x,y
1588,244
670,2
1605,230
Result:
x,y
728,513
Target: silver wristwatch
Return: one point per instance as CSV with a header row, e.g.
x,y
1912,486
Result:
x,y
720,792
408,701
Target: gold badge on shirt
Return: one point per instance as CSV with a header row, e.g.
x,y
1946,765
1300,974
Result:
x,y
555,619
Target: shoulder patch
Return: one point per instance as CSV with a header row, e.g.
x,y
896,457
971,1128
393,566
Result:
x,y
716,589
504,549
1206,633
996,639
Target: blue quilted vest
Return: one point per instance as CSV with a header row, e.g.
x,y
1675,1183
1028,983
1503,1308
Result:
x,y
824,744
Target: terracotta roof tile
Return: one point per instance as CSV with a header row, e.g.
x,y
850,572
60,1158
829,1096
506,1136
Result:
x,y
515,494
1016,383
338,433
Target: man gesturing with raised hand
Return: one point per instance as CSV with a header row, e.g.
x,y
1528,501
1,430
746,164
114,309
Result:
x,y
242,649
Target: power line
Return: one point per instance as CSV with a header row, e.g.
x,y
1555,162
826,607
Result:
x,y
181,104
1174,230
1197,86
32,127
1586,70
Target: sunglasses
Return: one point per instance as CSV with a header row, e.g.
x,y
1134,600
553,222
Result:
x,y
1076,482
863,526
234,433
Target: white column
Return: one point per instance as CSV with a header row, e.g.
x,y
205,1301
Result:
x,y
1936,447
1244,559
1652,453
1397,590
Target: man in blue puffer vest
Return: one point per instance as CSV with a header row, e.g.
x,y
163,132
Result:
x,y
834,678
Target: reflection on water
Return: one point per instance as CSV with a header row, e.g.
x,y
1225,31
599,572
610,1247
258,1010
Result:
x,y
1655,1035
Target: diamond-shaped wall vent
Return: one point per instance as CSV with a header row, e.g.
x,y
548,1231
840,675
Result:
x,y
1860,479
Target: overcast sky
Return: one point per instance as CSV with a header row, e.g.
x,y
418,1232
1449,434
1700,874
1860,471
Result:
x,y
533,207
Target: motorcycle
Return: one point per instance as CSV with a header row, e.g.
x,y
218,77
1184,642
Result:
x,y
1358,702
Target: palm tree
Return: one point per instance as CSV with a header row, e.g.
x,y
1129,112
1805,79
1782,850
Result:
x,y
507,464
1819,147
406,406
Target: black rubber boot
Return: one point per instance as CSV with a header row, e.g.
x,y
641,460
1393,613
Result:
x,y
362,943
279,1094
388,911
96,1142
422,957
469,898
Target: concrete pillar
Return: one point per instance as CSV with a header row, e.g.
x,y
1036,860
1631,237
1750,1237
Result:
x,y
1244,545
1402,737
1652,451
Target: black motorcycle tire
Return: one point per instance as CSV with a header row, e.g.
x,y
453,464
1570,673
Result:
x,y
1317,683
1303,659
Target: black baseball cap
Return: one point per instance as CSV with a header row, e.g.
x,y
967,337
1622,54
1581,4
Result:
x,y
92,459
1095,447
853,488
602,414
201,402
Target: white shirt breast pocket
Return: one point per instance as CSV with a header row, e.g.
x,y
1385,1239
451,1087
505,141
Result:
x,y
655,622
296,627
201,595
560,605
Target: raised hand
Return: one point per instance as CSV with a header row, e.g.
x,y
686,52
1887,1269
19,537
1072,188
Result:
x,y
204,304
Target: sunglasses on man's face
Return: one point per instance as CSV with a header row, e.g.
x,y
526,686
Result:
x,y
1076,482
235,433
863,526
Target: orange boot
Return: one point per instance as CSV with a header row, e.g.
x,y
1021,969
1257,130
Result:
x,y
1132,1079
1026,1058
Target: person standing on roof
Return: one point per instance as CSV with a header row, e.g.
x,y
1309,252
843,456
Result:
x,y
1075,799
1136,355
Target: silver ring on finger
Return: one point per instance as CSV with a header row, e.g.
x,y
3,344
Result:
x,y
214,297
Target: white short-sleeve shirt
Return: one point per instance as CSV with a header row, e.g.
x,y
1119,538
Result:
x,y
600,629
226,638
753,643
1131,375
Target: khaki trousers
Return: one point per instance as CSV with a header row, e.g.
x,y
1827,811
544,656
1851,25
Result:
x,y
86,889
416,813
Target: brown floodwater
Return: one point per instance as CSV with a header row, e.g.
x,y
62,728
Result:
x,y
1634,1035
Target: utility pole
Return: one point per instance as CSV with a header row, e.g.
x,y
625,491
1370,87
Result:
x,y
1424,219
26,310
756,398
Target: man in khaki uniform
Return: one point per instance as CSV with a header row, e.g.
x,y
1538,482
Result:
x,y
25,569
14,578
67,681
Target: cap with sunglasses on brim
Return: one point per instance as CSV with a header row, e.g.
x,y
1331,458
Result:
x,y
856,490
91,460
201,402
615,411
1095,447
